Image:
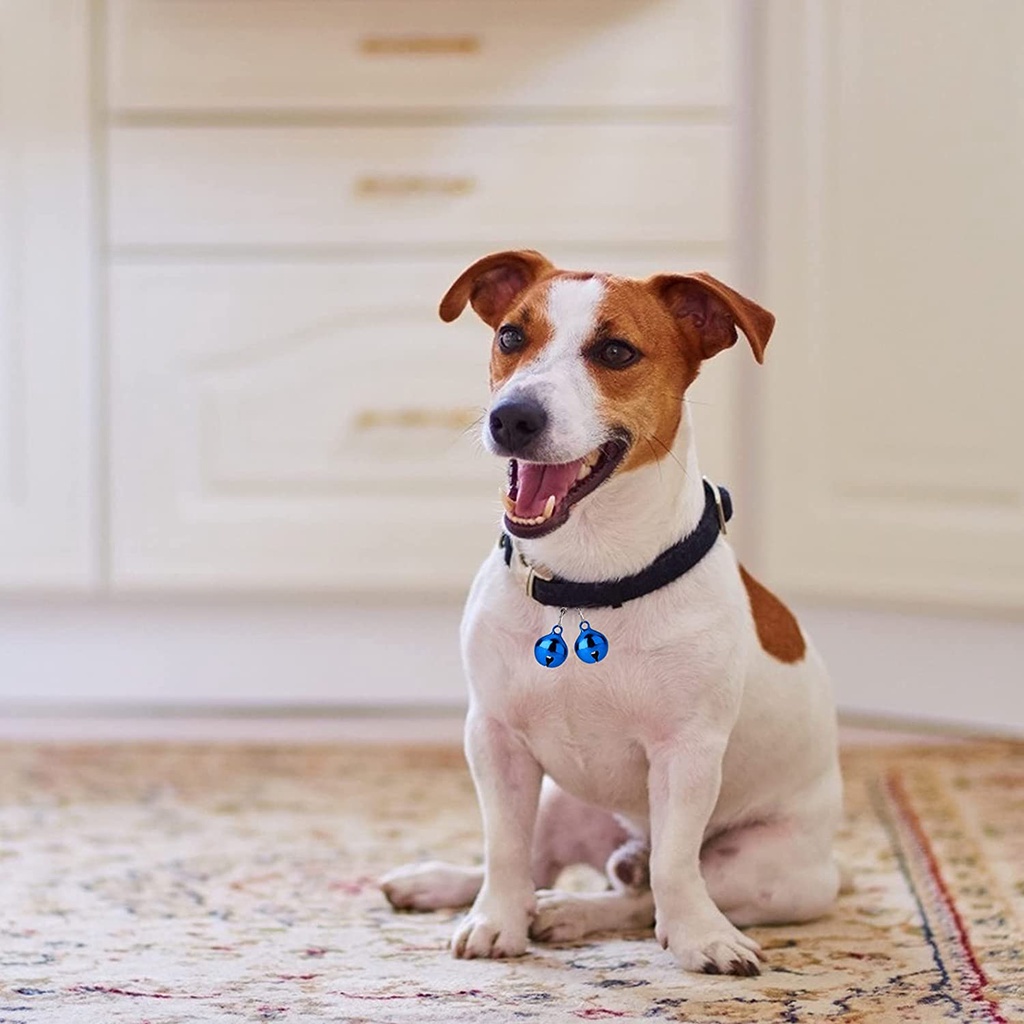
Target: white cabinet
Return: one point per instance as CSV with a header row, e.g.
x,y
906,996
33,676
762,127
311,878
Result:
x,y
895,159
48,368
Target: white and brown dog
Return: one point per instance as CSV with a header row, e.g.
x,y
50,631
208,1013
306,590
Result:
x,y
697,762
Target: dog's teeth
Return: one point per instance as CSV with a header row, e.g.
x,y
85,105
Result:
x,y
591,459
510,505
584,472
549,509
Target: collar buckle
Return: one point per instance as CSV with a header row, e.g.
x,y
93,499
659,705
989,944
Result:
x,y
718,504
532,575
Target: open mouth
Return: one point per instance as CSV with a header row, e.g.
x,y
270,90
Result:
x,y
540,494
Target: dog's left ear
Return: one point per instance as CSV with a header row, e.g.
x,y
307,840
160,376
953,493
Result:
x,y
713,310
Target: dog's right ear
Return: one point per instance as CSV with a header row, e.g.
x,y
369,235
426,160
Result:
x,y
493,283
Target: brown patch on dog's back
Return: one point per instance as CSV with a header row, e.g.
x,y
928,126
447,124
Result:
x,y
776,625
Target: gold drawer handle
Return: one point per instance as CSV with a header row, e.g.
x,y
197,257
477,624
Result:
x,y
384,186
420,46
416,419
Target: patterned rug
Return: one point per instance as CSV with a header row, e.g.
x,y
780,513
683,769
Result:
x,y
160,884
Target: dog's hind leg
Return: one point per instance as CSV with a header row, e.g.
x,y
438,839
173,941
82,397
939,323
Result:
x,y
773,873
627,906
567,916
568,832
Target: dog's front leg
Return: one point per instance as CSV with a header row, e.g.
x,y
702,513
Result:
x,y
685,777
507,779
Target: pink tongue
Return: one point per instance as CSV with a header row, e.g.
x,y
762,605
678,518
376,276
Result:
x,y
538,481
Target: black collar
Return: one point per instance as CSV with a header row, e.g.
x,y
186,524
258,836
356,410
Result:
x,y
667,567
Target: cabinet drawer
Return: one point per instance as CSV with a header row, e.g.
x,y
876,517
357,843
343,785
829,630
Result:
x,y
305,377
194,55
484,185
306,426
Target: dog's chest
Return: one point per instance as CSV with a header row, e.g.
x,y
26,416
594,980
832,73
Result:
x,y
586,738
590,725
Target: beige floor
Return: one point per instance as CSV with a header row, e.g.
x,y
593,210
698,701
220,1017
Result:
x,y
236,882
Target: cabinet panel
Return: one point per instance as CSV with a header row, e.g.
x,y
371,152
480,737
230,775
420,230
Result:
x,y
309,426
47,535
413,54
482,185
895,224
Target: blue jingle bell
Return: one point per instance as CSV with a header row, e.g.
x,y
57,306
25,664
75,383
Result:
x,y
591,646
551,650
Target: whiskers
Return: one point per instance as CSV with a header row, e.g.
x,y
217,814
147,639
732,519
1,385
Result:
x,y
657,458
476,439
651,439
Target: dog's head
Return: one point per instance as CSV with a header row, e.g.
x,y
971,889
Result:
x,y
588,371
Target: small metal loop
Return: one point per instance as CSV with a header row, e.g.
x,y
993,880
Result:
x,y
584,625
561,615
557,630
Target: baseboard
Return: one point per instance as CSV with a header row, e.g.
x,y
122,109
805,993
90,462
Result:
x,y
929,670
223,654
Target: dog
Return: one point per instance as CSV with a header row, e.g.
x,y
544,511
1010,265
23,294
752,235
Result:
x,y
696,762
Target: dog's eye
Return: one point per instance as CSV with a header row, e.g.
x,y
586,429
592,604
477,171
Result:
x,y
510,339
615,354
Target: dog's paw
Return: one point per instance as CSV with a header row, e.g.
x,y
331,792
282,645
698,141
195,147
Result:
x,y
560,917
490,931
715,948
430,886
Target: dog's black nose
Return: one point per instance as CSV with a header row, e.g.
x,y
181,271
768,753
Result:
x,y
515,424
